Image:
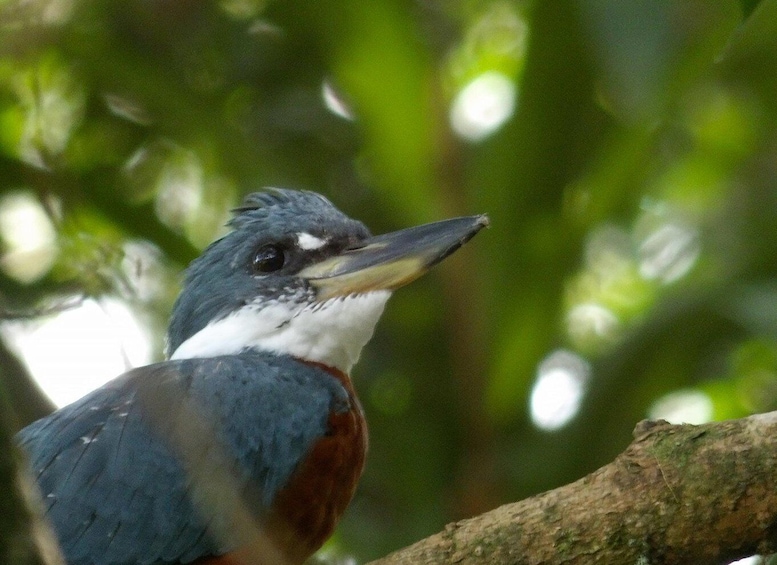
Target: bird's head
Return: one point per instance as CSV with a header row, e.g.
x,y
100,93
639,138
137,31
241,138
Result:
x,y
296,276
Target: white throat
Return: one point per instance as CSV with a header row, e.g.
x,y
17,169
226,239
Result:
x,y
332,332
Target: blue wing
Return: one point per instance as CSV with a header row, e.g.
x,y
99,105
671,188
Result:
x,y
112,467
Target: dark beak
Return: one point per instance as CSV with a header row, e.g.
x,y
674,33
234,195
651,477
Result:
x,y
388,261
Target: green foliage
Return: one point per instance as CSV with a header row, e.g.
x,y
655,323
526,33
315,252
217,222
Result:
x,y
631,192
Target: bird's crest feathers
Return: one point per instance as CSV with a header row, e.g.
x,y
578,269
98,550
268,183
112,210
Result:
x,y
258,205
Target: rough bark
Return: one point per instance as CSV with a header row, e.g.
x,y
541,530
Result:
x,y
679,494
27,399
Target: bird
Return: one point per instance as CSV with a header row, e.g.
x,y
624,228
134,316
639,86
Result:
x,y
246,444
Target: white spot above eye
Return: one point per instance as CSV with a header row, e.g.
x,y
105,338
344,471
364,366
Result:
x,y
308,242
332,332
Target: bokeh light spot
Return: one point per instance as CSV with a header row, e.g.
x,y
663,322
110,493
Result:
x,y
668,252
334,102
81,348
28,236
482,106
558,390
752,560
683,407
591,321
51,103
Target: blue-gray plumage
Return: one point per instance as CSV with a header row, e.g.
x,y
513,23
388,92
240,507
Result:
x,y
125,491
265,218
249,440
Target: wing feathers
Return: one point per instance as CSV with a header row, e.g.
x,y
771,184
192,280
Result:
x,y
124,483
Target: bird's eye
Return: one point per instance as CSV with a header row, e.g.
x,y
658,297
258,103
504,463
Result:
x,y
268,258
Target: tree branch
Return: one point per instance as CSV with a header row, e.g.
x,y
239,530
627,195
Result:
x,y
25,537
677,495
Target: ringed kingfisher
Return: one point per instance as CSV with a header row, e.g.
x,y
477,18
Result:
x,y
246,444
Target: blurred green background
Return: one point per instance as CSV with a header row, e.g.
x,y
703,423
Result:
x,y
626,153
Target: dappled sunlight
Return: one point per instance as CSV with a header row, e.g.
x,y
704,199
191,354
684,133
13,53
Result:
x,y
77,350
590,320
624,270
558,390
608,251
628,268
127,109
142,266
36,12
29,242
668,252
685,406
607,293
179,187
668,242
482,106
188,197
753,560
243,9
56,12
50,104
334,102
484,71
